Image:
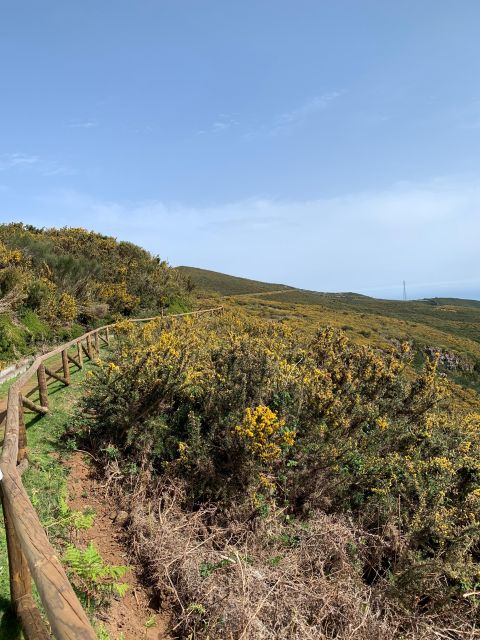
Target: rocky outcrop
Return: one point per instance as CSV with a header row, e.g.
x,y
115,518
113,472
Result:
x,y
450,360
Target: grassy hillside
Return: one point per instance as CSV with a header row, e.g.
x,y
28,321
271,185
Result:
x,y
54,282
453,312
448,325
205,280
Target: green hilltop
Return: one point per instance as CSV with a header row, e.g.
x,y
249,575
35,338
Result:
x,y
205,280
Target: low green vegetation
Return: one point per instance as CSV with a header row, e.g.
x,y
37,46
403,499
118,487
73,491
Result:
x,y
96,581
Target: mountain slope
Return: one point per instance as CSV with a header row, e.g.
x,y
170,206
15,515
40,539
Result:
x,y
457,315
448,325
226,285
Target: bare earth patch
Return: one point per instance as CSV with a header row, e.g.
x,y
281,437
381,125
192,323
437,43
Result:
x,y
128,615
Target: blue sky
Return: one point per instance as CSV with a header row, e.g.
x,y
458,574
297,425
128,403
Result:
x,y
329,145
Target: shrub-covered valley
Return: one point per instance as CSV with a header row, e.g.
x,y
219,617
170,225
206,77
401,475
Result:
x,y
300,465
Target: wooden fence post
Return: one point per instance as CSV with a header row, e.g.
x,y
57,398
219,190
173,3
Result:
x,y
97,343
80,354
19,574
55,375
66,367
74,360
42,385
20,578
22,432
90,347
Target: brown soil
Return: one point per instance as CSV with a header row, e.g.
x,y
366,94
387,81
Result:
x,y
127,615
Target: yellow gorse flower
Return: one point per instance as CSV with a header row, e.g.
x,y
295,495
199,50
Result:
x,y
264,433
383,423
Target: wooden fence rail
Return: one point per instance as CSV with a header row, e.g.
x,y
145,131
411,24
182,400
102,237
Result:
x,y
30,554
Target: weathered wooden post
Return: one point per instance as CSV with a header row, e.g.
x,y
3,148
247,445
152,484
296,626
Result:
x,y
80,354
97,343
20,579
21,583
66,367
22,432
90,347
42,385
33,406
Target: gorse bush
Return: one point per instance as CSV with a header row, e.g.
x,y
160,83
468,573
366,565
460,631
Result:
x,y
253,419
86,266
73,275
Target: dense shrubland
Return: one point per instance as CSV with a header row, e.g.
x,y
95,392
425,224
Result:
x,y
53,281
280,487
445,329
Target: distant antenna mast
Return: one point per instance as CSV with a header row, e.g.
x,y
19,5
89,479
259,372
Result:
x,y
404,291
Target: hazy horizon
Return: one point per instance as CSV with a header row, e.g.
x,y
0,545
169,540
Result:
x,y
415,291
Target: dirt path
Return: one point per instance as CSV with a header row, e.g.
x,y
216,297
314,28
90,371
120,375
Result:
x,y
127,615
126,618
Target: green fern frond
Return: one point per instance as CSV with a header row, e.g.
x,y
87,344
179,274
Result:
x,y
94,578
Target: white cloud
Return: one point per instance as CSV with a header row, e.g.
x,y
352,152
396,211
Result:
x,y
286,121
319,103
53,169
221,124
41,166
425,233
11,160
281,123
83,124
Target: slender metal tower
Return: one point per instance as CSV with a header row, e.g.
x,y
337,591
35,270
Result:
x,y
404,291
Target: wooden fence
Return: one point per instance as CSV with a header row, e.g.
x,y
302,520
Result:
x,y
30,554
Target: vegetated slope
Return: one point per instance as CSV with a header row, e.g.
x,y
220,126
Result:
x,y
457,315
285,485
449,325
213,281
53,281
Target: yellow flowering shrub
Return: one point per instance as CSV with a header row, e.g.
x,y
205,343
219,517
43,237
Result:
x,y
9,257
67,307
247,410
264,433
118,297
71,275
